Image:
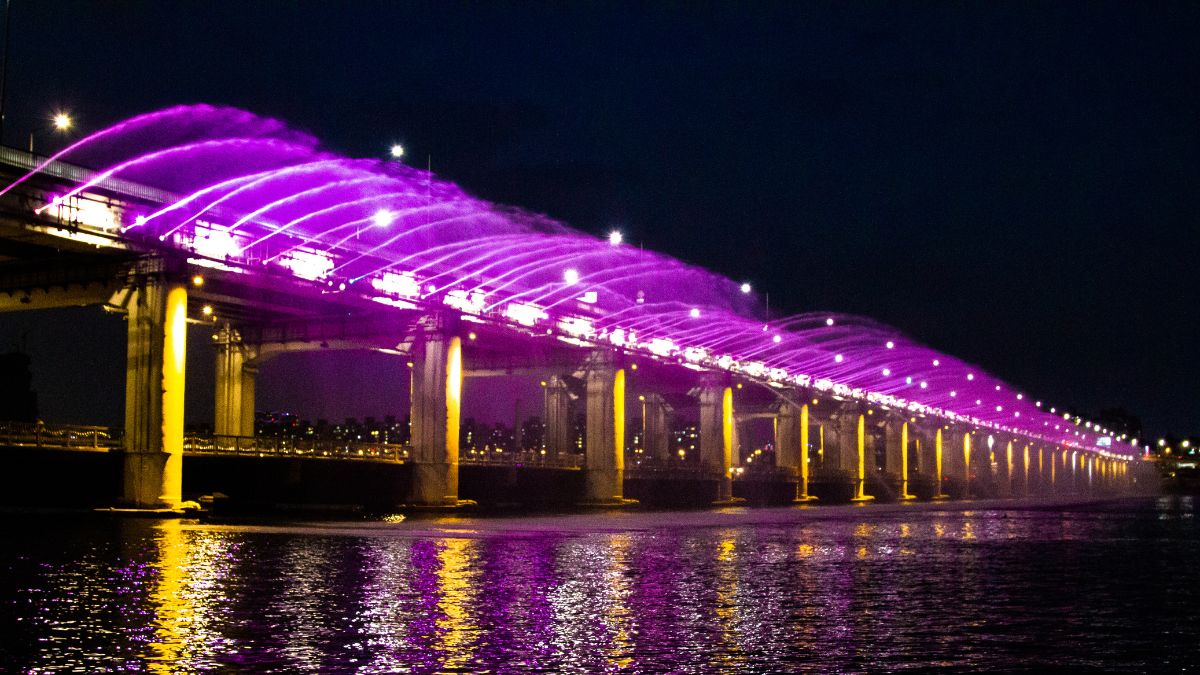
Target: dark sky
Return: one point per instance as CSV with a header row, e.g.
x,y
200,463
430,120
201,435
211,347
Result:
x,y
1013,183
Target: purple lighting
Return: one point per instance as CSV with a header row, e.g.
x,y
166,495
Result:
x,y
245,193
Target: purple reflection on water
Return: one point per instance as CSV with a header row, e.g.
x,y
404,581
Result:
x,y
769,590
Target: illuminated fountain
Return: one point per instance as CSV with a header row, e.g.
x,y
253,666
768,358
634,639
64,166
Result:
x,y
249,195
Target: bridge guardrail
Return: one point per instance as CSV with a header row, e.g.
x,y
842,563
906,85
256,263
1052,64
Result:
x,y
533,458
58,436
269,446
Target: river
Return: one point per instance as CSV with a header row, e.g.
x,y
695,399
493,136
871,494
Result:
x,y
987,586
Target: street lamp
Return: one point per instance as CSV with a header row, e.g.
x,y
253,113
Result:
x,y
62,123
397,151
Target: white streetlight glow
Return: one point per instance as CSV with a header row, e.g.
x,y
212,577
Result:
x,y
571,275
397,151
695,313
615,238
62,121
383,218
746,287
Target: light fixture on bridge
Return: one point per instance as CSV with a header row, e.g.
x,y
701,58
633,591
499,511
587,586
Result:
x,y
615,238
890,344
197,281
887,371
839,358
970,376
471,336
908,380
829,321
937,362
383,218
924,384
62,121
571,276
746,288
953,394
777,339
694,313
397,151
206,310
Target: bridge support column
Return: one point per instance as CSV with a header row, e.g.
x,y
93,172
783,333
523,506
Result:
x,y
604,470
716,435
558,417
792,445
896,453
436,400
657,431
152,475
938,464
233,409
852,451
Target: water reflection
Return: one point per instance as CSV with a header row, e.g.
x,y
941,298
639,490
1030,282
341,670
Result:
x,y
971,589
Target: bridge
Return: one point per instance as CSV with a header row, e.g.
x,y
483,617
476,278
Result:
x,y
199,215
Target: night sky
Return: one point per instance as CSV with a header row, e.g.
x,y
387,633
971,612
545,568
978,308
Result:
x,y
1012,183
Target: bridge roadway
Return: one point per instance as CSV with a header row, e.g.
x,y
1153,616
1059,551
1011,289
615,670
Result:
x,y
76,254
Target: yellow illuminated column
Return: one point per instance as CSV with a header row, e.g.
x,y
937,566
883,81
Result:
x,y
716,436
1008,471
726,426
904,463
604,474
967,464
1053,472
1025,471
860,494
804,496
937,464
152,474
436,402
1041,473
821,440
173,390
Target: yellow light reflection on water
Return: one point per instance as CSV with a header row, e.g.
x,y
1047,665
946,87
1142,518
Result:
x,y
189,597
456,584
727,600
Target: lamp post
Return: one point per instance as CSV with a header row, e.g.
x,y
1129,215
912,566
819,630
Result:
x,y
61,122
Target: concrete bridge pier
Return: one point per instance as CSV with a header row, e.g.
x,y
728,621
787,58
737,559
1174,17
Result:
x,y
896,444
956,467
235,384
1008,484
152,475
656,416
939,463
792,443
717,435
436,400
604,461
852,449
557,416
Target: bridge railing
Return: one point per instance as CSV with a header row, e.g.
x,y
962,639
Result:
x,y
533,458
646,467
57,436
269,446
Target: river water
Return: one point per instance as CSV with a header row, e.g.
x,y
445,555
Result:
x,y
829,589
